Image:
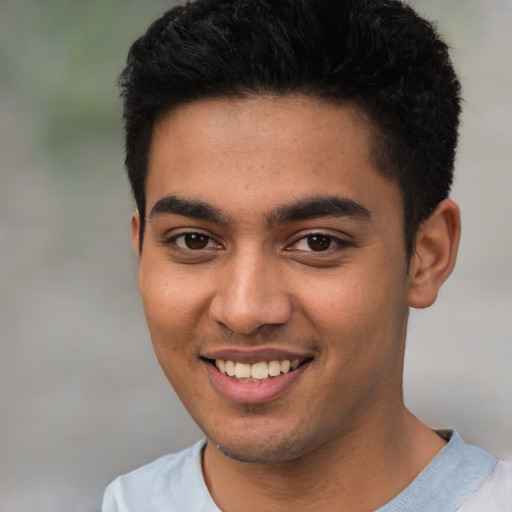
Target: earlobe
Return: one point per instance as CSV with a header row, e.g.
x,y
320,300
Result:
x,y
434,255
135,233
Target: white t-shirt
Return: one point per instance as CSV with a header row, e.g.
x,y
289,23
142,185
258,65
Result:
x,y
460,478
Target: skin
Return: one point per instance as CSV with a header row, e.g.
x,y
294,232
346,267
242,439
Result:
x,y
340,436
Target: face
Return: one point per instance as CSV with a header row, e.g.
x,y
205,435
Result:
x,y
273,273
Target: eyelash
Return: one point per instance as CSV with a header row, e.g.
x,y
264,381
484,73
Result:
x,y
334,243
173,240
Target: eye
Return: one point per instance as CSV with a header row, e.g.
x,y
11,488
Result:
x,y
317,242
193,241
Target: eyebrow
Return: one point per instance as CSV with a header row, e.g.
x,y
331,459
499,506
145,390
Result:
x,y
322,206
173,205
302,209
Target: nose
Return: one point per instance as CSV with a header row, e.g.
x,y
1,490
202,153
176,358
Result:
x,y
250,295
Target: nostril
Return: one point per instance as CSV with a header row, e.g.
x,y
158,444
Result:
x,y
248,315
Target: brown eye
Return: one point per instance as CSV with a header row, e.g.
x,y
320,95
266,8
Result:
x,y
193,241
196,240
319,242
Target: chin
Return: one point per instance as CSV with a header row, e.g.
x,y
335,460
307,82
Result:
x,y
251,456
263,451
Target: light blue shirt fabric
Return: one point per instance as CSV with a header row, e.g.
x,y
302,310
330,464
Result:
x,y
460,473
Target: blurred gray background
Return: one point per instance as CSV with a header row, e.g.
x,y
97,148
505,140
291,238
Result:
x,y
82,398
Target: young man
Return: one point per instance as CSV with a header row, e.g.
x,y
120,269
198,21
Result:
x,y
291,162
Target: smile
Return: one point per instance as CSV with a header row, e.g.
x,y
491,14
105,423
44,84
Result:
x,y
255,376
259,371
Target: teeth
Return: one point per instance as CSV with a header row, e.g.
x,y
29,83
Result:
x,y
285,366
242,371
230,368
257,371
274,368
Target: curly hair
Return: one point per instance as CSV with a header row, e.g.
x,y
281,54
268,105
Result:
x,y
378,53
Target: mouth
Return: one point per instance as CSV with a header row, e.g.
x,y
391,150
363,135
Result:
x,y
255,375
260,371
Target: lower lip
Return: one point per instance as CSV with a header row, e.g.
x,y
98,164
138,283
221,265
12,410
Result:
x,y
253,392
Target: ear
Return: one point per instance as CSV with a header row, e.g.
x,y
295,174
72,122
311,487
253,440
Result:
x,y
135,232
434,255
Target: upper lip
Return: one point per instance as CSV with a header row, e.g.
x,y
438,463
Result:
x,y
255,355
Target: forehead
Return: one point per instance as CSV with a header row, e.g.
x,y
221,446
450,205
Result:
x,y
256,152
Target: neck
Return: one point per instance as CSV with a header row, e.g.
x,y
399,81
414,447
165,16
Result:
x,y
360,470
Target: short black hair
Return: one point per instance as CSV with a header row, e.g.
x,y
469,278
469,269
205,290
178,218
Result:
x,y
378,53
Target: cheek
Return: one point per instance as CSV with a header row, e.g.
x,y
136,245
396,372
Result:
x,y
171,310
362,331
172,305
358,310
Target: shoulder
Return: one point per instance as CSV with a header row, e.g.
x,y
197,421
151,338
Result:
x,y
449,480
495,493
163,484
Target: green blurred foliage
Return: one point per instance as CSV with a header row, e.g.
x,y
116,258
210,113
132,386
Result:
x,y
59,60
